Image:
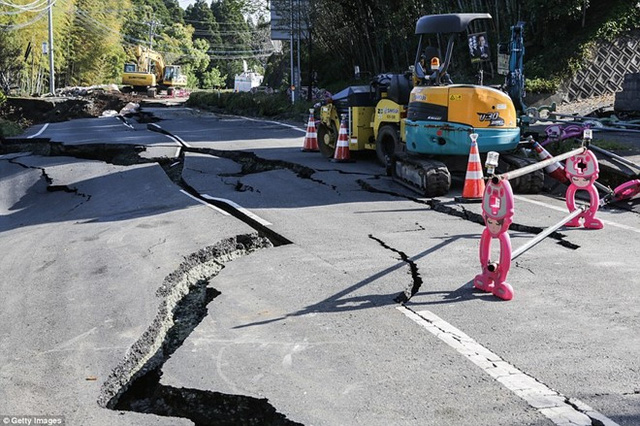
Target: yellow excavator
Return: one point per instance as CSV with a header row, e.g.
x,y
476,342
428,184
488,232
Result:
x,y
419,122
149,73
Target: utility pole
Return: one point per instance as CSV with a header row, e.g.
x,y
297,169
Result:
x,y
152,25
292,79
52,83
299,72
311,79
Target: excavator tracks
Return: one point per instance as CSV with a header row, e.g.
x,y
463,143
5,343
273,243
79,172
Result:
x,y
531,183
430,178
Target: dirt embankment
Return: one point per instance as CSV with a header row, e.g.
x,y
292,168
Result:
x,y
69,104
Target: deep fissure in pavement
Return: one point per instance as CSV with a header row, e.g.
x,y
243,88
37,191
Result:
x,y
134,385
127,155
252,164
111,153
203,408
415,274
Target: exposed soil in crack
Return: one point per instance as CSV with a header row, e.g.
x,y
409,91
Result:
x,y
251,163
127,155
73,104
134,385
111,153
173,169
124,154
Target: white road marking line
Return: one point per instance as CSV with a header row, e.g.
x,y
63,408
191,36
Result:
x,y
178,142
40,132
239,208
181,141
276,122
540,203
206,204
553,405
560,209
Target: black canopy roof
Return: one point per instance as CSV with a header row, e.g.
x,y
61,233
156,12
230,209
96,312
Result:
x,y
447,23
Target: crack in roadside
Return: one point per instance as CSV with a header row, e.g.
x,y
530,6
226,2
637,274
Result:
x,y
596,418
173,169
517,265
134,384
238,186
50,186
252,164
126,155
418,228
413,267
440,207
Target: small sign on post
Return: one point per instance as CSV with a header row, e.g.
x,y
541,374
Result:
x,y
45,48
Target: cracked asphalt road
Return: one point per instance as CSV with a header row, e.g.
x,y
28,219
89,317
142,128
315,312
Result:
x,y
105,276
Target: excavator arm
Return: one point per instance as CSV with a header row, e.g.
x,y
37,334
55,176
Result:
x,y
150,61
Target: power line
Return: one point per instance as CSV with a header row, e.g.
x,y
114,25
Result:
x,y
40,6
24,24
223,51
35,6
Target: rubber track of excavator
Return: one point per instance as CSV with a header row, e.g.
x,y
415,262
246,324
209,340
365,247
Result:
x,y
433,176
531,183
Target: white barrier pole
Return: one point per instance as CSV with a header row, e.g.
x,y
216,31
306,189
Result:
x,y
537,166
544,234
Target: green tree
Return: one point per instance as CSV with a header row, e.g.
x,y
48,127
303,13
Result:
x,y
206,29
178,47
10,68
235,49
213,79
96,54
27,26
201,18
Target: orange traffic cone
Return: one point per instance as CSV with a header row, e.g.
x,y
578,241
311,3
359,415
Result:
x,y
341,154
555,170
474,180
311,138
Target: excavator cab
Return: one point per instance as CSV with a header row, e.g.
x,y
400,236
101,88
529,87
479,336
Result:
x,y
441,115
130,67
173,76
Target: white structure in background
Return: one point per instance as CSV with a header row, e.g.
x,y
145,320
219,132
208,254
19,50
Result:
x,y
247,80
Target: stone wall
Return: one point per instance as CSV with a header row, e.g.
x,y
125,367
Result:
x,y
605,71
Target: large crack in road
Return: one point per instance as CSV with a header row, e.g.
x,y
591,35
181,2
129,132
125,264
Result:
x,y
135,383
251,164
416,279
50,183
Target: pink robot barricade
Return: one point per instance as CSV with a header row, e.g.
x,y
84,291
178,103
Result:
x,y
497,211
582,171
